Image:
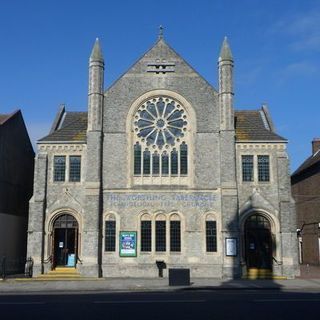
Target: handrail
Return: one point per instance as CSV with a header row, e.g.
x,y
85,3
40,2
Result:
x,y
49,259
78,259
279,263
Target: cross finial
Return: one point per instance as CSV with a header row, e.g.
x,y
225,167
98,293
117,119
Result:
x,y
160,32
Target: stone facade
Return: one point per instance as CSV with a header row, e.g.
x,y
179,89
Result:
x,y
116,186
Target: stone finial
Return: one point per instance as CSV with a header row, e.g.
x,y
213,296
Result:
x,y
225,53
160,36
96,54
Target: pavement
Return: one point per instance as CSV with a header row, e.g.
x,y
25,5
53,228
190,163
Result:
x,y
31,286
309,280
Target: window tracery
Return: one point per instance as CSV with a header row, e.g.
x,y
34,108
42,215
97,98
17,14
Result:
x,y
160,138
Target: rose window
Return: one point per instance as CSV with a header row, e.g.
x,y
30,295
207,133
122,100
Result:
x,y
160,145
160,122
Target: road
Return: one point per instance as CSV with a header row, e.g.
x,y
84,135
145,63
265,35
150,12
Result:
x,y
180,304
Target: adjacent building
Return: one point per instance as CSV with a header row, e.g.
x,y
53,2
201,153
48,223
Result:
x,y
305,190
16,183
161,170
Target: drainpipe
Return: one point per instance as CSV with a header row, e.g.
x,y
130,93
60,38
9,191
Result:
x,y
100,209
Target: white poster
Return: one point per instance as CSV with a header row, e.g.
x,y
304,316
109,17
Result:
x,y
231,247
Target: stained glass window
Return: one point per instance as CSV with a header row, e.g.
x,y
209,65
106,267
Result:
x,y
160,126
59,169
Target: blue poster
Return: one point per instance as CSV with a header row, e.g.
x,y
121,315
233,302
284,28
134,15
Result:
x,y
128,243
71,260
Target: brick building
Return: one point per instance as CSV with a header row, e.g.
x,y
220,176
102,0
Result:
x,y
306,192
161,168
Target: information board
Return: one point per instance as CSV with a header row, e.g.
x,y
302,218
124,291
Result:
x,y
128,243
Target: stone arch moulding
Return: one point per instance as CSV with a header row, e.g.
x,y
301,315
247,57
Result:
x,y
161,92
274,222
275,230
56,213
190,126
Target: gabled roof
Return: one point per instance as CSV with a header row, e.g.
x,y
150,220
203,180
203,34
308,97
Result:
x,y
308,163
255,125
70,127
6,117
159,52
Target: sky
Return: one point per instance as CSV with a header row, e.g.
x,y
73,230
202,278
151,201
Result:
x,y
45,46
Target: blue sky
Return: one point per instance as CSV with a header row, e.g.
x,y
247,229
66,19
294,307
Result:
x,y
45,47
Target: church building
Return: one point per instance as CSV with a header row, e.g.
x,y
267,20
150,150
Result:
x,y
162,171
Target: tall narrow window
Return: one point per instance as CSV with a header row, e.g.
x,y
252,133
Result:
x,y
247,168
160,235
175,235
146,235
174,162
59,170
110,235
146,162
183,158
165,164
137,159
75,168
211,236
263,168
155,164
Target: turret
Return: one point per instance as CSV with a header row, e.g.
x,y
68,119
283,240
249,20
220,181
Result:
x,y
225,65
96,84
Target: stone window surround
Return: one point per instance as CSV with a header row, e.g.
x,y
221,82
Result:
x,y
149,180
161,216
67,168
255,168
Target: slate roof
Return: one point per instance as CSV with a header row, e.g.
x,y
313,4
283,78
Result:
x,y
253,125
250,126
73,128
308,163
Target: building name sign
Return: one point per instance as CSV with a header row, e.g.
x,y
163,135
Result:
x,y
144,200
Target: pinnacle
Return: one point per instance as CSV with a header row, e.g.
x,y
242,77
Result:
x,y
96,54
225,53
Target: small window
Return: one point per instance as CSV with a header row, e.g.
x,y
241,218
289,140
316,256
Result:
x,y
137,159
155,164
174,162
146,162
211,236
165,164
183,158
263,168
160,235
247,168
110,235
75,168
146,236
59,170
175,236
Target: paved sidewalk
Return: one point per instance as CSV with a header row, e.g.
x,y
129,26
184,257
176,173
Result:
x,y
16,286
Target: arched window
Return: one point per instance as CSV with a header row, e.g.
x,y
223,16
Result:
x,y
175,233
211,234
110,233
183,158
146,233
161,233
137,159
161,137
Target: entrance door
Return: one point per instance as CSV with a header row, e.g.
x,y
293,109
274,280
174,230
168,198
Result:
x,y
258,242
65,241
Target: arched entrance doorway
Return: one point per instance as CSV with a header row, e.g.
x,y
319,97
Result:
x,y
258,242
65,241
